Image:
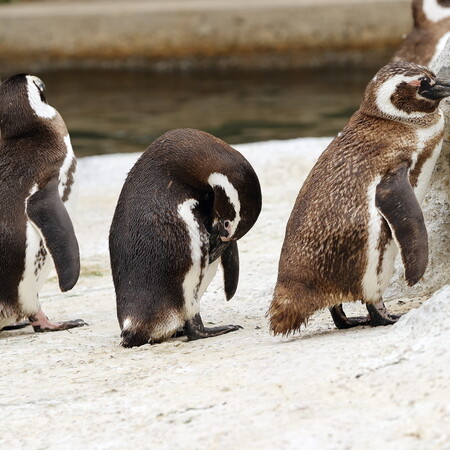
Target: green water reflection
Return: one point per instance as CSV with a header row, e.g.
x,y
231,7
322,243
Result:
x,y
123,111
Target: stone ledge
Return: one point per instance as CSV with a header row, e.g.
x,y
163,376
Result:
x,y
199,33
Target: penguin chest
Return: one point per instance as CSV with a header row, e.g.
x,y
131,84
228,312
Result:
x,y
439,48
380,252
37,266
428,147
200,272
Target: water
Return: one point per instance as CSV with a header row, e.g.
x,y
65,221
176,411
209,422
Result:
x,y
124,111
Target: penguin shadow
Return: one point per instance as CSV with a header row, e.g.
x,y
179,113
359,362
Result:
x,y
318,327
26,330
8,334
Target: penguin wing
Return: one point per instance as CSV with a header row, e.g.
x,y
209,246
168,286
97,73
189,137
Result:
x,y
230,265
48,213
397,203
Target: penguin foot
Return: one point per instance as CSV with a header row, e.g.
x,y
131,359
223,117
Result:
x,y
195,329
17,325
379,315
41,323
134,339
342,321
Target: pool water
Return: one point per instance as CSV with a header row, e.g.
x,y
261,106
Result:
x,y
124,111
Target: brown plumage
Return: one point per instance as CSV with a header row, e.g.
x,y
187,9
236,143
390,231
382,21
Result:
x,y
430,32
339,243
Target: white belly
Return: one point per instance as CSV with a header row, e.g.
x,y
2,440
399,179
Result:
x,y
425,174
370,283
37,266
377,277
200,273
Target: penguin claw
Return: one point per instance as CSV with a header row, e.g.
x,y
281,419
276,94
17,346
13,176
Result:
x,y
195,329
341,320
379,315
41,323
58,326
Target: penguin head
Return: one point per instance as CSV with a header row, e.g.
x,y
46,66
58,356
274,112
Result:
x,y
404,91
226,208
22,104
235,208
425,11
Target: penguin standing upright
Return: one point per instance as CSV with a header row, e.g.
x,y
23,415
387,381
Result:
x,y
429,34
37,168
360,203
183,206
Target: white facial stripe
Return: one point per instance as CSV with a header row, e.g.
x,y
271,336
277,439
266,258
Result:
x,y
439,48
221,180
434,12
40,108
384,94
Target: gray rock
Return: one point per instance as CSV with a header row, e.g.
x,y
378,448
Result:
x,y
436,209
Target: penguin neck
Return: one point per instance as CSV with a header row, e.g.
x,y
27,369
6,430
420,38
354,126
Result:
x,y
420,121
30,127
426,12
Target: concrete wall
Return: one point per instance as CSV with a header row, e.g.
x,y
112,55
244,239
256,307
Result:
x,y
184,34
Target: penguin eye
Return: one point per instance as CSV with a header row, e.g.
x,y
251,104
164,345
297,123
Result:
x,y
40,87
227,223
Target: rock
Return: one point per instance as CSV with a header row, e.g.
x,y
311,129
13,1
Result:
x,y
436,209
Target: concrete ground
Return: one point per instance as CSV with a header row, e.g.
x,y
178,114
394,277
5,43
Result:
x,y
193,34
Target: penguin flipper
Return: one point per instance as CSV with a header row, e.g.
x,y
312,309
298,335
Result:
x,y
397,203
230,265
48,213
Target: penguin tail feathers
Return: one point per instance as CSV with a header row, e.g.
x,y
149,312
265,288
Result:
x,y
153,330
287,314
132,338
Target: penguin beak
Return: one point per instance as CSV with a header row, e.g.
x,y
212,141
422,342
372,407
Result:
x,y
437,91
224,236
216,244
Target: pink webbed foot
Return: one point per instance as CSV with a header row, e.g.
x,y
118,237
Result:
x,y
41,323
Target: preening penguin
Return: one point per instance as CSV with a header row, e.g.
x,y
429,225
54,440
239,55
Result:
x,y
360,203
37,169
183,206
429,34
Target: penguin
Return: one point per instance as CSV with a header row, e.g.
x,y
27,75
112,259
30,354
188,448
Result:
x,y
360,204
429,34
37,170
182,208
